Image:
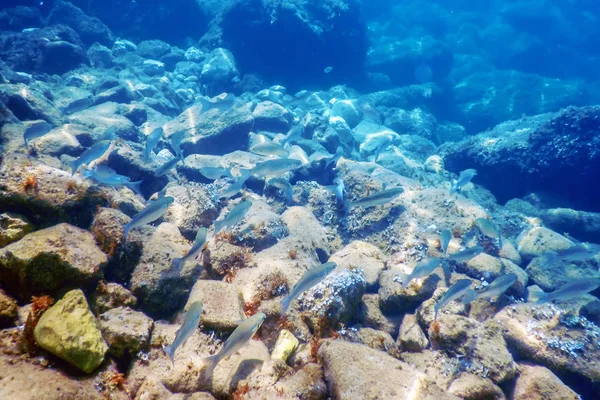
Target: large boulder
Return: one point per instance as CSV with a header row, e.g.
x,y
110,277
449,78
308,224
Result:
x,y
553,153
90,29
69,330
295,41
51,260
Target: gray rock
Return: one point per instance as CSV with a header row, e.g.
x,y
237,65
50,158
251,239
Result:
x,y
117,94
223,304
100,56
472,387
153,67
219,70
111,295
51,260
262,227
538,240
121,47
415,122
370,315
195,206
272,117
348,111
489,268
551,275
153,49
12,228
126,331
91,29
411,337
8,310
580,224
188,68
538,383
364,256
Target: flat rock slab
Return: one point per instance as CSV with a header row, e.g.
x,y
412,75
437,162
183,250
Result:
x,y
223,304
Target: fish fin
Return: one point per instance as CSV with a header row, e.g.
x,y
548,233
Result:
x,y
126,230
210,362
178,264
285,304
500,240
73,165
135,186
170,351
538,295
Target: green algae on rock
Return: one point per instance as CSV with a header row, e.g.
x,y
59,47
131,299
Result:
x,y
50,260
69,330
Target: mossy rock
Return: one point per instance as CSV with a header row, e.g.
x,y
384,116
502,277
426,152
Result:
x,y
70,331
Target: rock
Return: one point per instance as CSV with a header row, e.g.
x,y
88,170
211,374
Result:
x,y
538,240
50,260
402,59
481,344
126,331
472,387
100,56
346,110
364,256
160,292
19,18
566,345
117,94
530,151
102,117
60,57
111,295
332,301
307,383
271,117
8,310
450,132
57,142
489,268
194,207
211,132
262,227
537,383
411,337
52,195
153,67
28,102
395,299
121,47
221,257
223,304
355,371
551,275
370,315
415,122
286,344
219,71
12,228
90,29
248,30
69,330
375,339
188,68
434,164
153,49
580,224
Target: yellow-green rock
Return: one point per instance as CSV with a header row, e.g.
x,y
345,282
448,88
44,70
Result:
x,y
69,330
284,347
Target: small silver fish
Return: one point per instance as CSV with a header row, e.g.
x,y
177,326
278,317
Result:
x,y
36,130
297,153
567,291
78,105
215,172
319,156
152,212
276,166
578,252
256,138
376,199
163,169
93,153
269,149
234,216
293,134
107,176
238,339
222,102
151,141
187,329
445,237
199,243
338,189
284,185
175,141
488,228
422,269
463,178
466,254
454,292
500,285
310,279
237,185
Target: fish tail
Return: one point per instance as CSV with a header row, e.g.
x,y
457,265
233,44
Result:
x,y
405,282
135,186
126,230
73,165
539,295
178,263
500,240
170,351
285,304
211,363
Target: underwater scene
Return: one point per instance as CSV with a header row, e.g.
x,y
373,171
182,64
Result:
x,y
299,199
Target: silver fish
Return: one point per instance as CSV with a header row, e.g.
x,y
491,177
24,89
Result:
x,y
175,141
222,102
463,178
310,279
422,269
567,291
445,237
151,141
237,185
187,329
107,176
199,243
36,130
319,156
293,134
269,149
578,252
376,199
466,254
152,212
500,285
215,172
297,153
78,105
93,153
488,228
284,185
275,167
238,339
454,292
256,138
338,189
234,216
163,169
